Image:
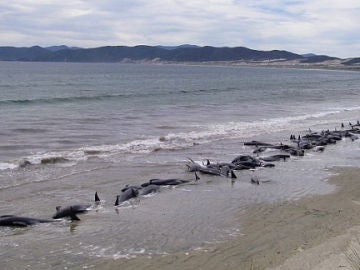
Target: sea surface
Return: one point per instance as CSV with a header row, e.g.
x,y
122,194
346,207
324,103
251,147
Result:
x,y
68,130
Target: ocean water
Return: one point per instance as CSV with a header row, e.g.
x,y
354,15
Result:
x,y
68,130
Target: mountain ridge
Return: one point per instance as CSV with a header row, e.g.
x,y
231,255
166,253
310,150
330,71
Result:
x,y
178,54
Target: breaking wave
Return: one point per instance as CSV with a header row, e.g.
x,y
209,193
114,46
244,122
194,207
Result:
x,y
173,141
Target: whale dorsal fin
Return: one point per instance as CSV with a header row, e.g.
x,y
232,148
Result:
x,y
206,162
97,199
117,201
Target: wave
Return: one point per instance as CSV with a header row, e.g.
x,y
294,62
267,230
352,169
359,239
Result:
x,y
30,130
60,100
176,141
105,97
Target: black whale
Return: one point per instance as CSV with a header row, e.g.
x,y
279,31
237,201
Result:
x,y
17,221
71,211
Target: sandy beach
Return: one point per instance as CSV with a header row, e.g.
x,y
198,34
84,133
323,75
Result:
x,y
319,232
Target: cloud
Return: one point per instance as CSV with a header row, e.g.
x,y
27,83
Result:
x,y
328,27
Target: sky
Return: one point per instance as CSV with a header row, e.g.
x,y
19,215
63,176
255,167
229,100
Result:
x,y
330,27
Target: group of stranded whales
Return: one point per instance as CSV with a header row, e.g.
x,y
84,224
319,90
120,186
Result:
x,y
70,212
152,186
312,140
315,141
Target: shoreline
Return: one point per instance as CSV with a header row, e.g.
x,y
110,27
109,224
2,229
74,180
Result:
x,y
316,229
335,65
261,64
292,64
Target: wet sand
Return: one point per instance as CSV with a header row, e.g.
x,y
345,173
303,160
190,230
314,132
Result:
x,y
319,232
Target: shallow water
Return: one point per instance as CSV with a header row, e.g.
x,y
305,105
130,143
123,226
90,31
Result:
x,y
97,127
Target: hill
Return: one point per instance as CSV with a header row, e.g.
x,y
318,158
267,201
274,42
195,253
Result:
x,y
120,53
175,54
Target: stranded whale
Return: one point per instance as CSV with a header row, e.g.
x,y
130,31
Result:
x,y
150,189
18,221
127,194
169,182
72,210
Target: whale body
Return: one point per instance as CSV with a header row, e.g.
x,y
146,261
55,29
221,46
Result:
x,y
71,211
18,221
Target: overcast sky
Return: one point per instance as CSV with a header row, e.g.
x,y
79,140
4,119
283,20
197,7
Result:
x,y
329,27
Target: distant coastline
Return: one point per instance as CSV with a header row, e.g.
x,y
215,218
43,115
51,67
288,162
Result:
x,y
329,65
184,54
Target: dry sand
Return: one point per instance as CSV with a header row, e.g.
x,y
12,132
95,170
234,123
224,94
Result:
x,y
320,232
